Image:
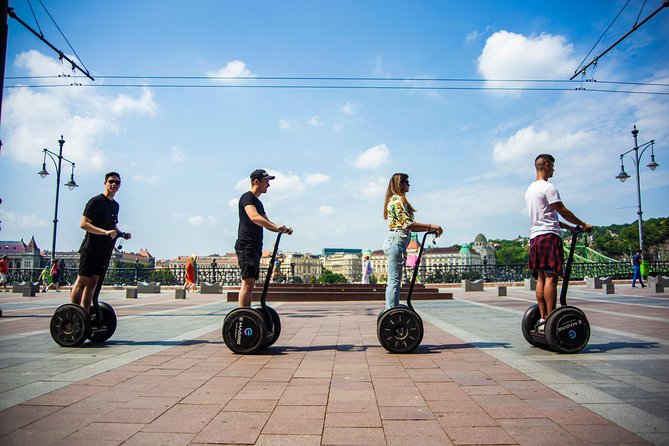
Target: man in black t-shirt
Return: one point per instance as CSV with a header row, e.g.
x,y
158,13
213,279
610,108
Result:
x,y
252,219
99,221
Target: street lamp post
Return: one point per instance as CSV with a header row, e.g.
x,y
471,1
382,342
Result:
x,y
70,184
622,176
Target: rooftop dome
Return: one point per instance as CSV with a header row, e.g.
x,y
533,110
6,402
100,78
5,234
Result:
x,y
480,240
465,250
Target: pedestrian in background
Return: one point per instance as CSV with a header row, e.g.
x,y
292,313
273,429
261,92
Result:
x,y
4,272
636,267
190,275
55,275
45,278
367,269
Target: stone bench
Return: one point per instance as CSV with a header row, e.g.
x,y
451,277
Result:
x,y
150,287
660,280
608,288
656,287
468,285
596,283
210,288
27,289
531,284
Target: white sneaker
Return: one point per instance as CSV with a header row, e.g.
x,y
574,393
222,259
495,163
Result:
x,y
541,325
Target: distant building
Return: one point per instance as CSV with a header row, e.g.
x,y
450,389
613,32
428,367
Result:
x,y
22,255
345,262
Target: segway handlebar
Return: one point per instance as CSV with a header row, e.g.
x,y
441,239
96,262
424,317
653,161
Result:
x,y
570,260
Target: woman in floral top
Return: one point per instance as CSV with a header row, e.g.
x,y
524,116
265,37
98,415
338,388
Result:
x,y
399,213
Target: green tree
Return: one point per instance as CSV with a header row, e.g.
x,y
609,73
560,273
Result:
x,y
328,276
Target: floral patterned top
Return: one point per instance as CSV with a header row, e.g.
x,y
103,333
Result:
x,y
399,214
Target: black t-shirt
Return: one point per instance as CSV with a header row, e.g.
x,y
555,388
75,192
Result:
x,y
249,234
102,213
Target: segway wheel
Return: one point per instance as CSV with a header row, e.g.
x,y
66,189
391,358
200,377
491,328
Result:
x,y
276,321
530,319
245,331
102,333
70,325
567,330
400,329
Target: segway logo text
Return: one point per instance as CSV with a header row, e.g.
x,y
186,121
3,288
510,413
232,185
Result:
x,y
568,326
238,334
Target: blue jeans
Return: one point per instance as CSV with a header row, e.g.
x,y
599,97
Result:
x,y
637,275
395,249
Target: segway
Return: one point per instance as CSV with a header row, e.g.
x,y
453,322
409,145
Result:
x,y
400,329
71,325
567,330
249,330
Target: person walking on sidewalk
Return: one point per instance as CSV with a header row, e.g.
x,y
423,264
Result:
x,y
252,220
190,275
100,221
546,252
4,272
399,213
55,275
636,267
45,278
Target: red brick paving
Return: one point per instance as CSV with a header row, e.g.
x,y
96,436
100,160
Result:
x,y
326,381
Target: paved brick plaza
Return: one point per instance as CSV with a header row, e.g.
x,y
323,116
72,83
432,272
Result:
x,y
167,378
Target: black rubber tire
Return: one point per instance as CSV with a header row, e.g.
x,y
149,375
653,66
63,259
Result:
x,y
399,330
70,325
276,321
567,330
109,317
530,319
245,330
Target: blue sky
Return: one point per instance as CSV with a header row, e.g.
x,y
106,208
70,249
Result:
x,y
185,153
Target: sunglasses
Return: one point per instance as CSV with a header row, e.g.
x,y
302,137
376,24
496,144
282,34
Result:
x,y
114,181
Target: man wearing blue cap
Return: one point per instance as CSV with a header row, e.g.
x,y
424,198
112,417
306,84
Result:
x,y
252,219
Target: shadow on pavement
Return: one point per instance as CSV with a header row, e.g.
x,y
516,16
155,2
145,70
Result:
x,y
601,348
160,343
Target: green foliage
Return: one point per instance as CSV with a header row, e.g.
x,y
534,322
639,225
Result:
x,y
511,252
623,240
163,276
328,276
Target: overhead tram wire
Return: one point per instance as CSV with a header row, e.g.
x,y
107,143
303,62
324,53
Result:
x,y
582,70
332,78
340,87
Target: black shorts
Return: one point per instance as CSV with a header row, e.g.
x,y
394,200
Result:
x,y
249,262
91,263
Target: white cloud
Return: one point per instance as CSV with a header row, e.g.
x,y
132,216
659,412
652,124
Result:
x,y
233,69
36,118
374,188
143,104
285,185
197,220
176,155
287,124
325,210
348,108
148,179
373,158
521,145
315,121
314,179
508,55
472,36
13,221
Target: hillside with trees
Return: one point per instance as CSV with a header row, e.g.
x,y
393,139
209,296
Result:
x,y
615,241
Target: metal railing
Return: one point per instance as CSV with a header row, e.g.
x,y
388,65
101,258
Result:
x,y
230,275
